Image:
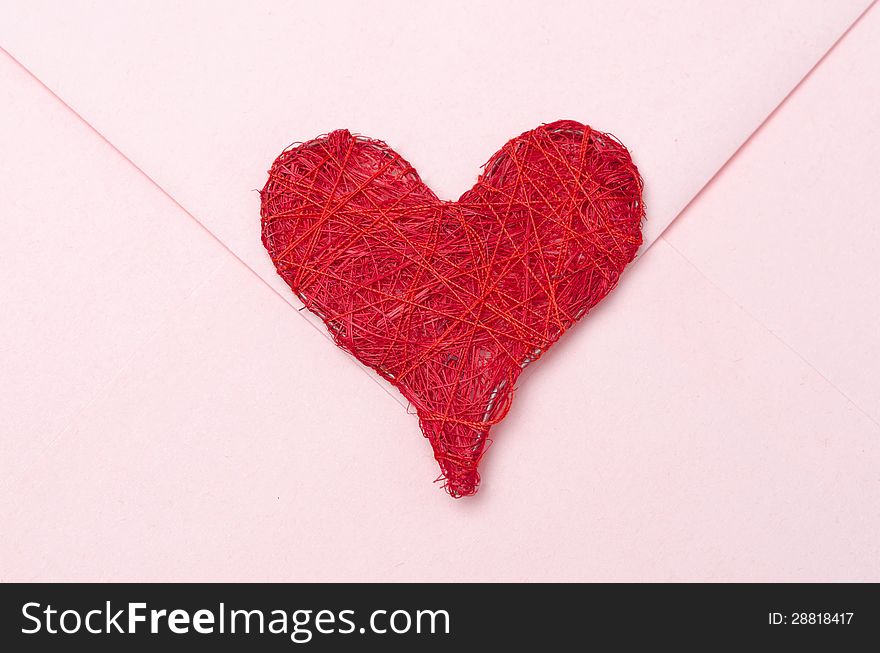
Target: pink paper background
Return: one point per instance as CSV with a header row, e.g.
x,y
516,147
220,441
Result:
x,y
167,415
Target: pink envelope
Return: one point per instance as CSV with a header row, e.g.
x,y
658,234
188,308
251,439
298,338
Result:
x,y
166,417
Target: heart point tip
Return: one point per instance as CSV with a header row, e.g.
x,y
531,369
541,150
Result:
x,y
462,484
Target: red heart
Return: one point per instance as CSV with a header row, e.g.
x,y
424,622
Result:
x,y
449,301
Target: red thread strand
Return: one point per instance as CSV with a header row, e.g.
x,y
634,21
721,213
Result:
x,y
449,301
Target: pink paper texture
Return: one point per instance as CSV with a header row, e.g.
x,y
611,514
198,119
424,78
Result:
x,y
791,232
168,416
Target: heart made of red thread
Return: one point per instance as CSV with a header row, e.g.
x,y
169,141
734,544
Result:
x,y
450,301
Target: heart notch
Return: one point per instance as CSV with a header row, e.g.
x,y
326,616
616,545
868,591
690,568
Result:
x,y
451,300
